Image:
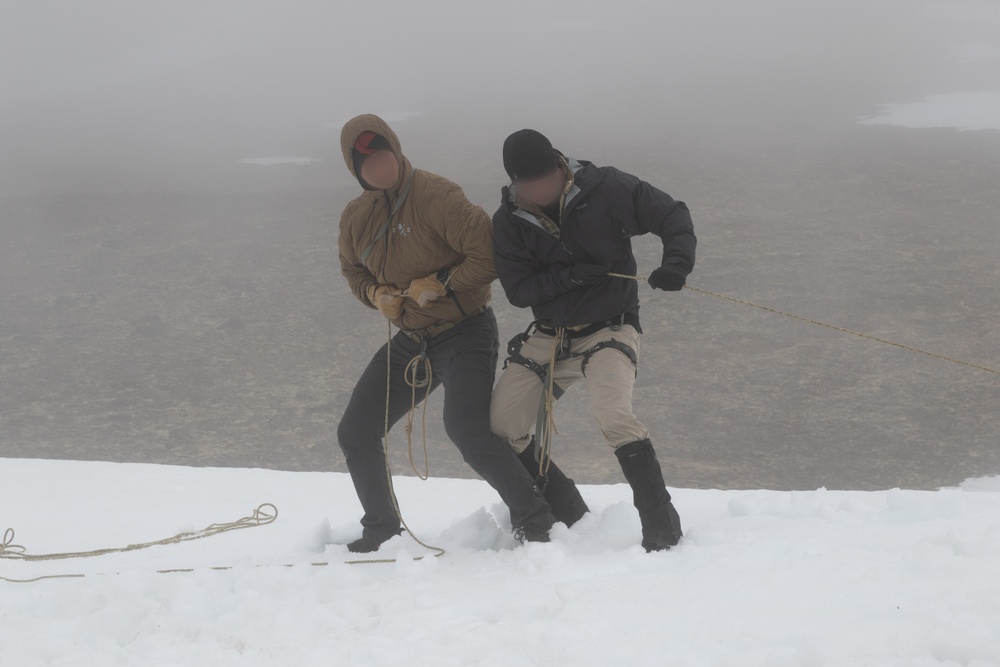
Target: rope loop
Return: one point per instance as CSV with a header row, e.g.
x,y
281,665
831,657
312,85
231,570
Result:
x,y
418,374
8,546
438,551
263,515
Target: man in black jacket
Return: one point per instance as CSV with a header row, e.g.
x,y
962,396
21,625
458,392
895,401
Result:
x,y
563,228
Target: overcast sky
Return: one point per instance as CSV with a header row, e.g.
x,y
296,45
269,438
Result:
x,y
117,82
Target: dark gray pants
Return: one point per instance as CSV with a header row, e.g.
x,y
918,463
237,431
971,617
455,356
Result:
x,y
464,360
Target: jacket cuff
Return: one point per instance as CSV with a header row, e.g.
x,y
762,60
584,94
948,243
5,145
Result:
x,y
676,264
368,292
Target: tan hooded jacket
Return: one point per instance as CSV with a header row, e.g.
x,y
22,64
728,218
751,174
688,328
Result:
x,y
436,228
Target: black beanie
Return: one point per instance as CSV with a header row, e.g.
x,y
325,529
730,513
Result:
x,y
528,154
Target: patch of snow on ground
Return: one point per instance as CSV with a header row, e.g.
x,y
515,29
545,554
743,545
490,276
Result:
x,y
990,484
805,578
268,161
965,111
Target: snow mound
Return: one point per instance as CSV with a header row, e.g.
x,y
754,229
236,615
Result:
x,y
986,484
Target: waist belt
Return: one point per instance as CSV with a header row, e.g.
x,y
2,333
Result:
x,y
514,355
584,330
438,329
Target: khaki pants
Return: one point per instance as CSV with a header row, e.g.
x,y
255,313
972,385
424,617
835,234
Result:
x,y
610,375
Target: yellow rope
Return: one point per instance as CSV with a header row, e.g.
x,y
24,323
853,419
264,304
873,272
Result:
x,y
43,577
410,373
417,364
385,449
549,425
263,515
260,516
217,568
876,339
420,362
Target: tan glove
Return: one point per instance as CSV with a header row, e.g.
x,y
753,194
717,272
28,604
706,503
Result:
x,y
388,300
425,290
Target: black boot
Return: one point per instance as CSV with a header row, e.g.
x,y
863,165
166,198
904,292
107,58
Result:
x,y
661,525
559,491
531,534
366,545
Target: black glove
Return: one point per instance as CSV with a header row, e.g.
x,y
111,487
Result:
x,y
587,274
669,278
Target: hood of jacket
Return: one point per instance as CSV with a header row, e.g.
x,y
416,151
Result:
x,y
368,122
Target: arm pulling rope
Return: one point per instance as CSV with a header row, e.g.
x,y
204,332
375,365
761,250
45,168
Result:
x,y
834,327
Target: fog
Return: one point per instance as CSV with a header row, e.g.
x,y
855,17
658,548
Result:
x,y
171,179
102,94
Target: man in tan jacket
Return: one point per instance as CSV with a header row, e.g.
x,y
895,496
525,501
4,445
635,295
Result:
x,y
414,248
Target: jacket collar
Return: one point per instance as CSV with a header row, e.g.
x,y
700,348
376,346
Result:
x,y
584,176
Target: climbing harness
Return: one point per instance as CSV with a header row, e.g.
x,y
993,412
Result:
x,y
562,339
516,343
514,356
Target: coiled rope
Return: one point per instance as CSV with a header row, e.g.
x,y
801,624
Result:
x,y
438,551
265,514
419,374
545,427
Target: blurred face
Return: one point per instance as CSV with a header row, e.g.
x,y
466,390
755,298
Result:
x,y
380,170
543,191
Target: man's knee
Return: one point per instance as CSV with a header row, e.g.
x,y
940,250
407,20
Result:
x,y
502,423
345,437
611,405
618,424
462,433
511,422
475,442
510,429
356,428
514,405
